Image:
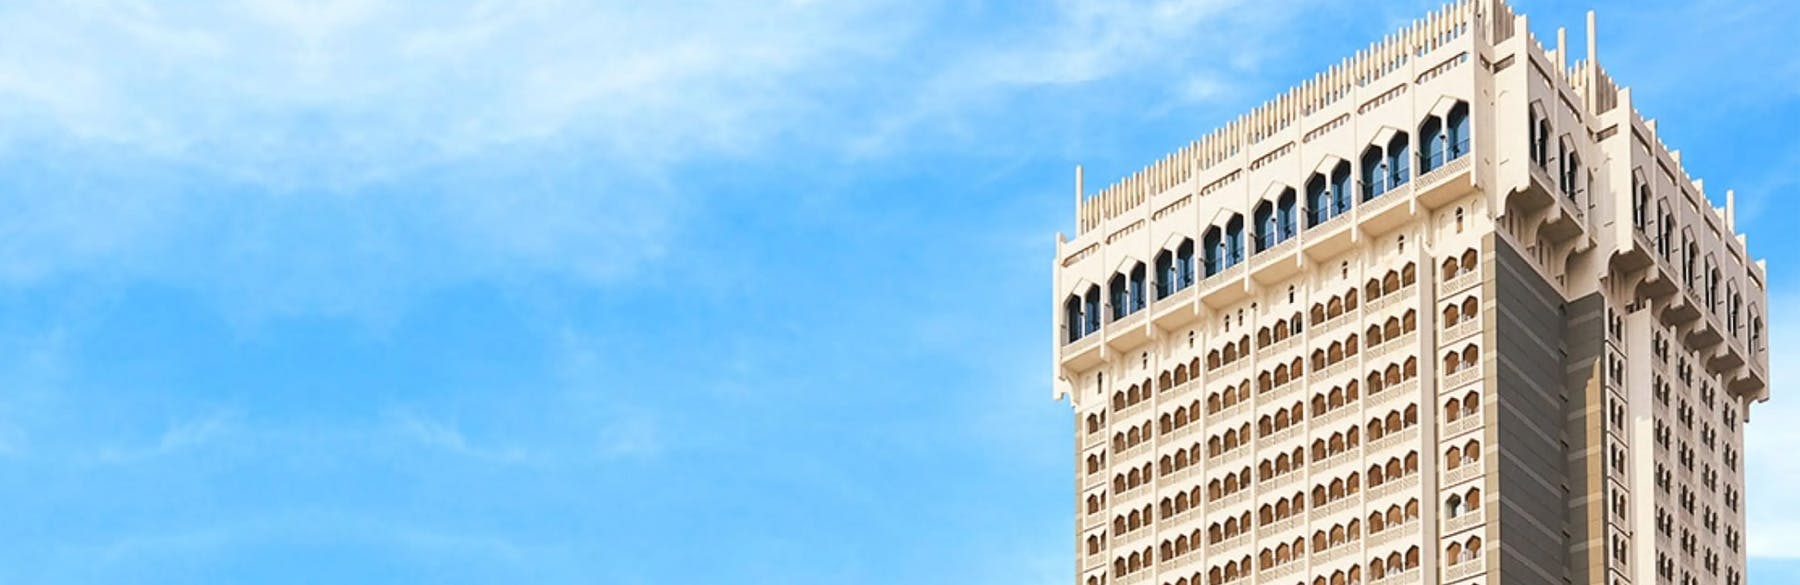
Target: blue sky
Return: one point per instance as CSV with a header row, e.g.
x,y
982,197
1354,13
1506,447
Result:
x,y
367,291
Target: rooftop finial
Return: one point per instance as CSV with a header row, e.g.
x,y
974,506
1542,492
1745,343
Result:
x,y
1593,48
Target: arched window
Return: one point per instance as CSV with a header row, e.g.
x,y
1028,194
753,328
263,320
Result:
x,y
1138,274
1214,244
1456,131
1072,317
1234,240
1374,173
1285,219
1090,310
1397,156
1340,189
1165,274
1264,217
1117,290
1184,264
1540,140
1431,147
1318,201
1459,220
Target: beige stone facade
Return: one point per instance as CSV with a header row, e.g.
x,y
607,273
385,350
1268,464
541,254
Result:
x,y
1447,312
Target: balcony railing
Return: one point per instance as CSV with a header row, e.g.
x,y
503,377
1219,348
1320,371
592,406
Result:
x,y
1404,391
1464,570
1389,300
1132,411
1394,487
1405,531
1465,472
1401,577
1467,279
1339,507
1464,521
1180,475
1216,549
1133,452
1232,413
1282,571
1405,436
1468,422
1463,376
1465,327
1335,418
1335,371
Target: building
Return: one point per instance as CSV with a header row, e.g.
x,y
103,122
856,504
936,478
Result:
x,y
1447,312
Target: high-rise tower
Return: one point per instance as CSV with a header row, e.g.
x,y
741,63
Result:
x,y
1447,312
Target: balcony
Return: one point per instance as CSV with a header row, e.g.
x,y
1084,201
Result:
x,y
1464,280
1461,330
1231,501
1168,565
1226,374
1128,332
1391,299
1404,577
1325,466
1404,437
1387,397
1235,412
1132,494
1095,480
1093,521
1134,452
1082,353
1391,488
1179,476
1328,329
1335,372
1094,439
1280,437
1397,344
1131,412
1467,471
1405,532
1465,569
1330,238
1466,375
1277,349
1142,576
1336,418
1340,551
1283,526
1282,571
1177,308
1461,426
1337,508
1447,183
1284,393
1219,548
1190,514
1276,263
1388,210
1227,287
1467,520
1184,431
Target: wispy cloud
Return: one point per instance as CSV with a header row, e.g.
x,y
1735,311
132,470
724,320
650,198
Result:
x,y
176,438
